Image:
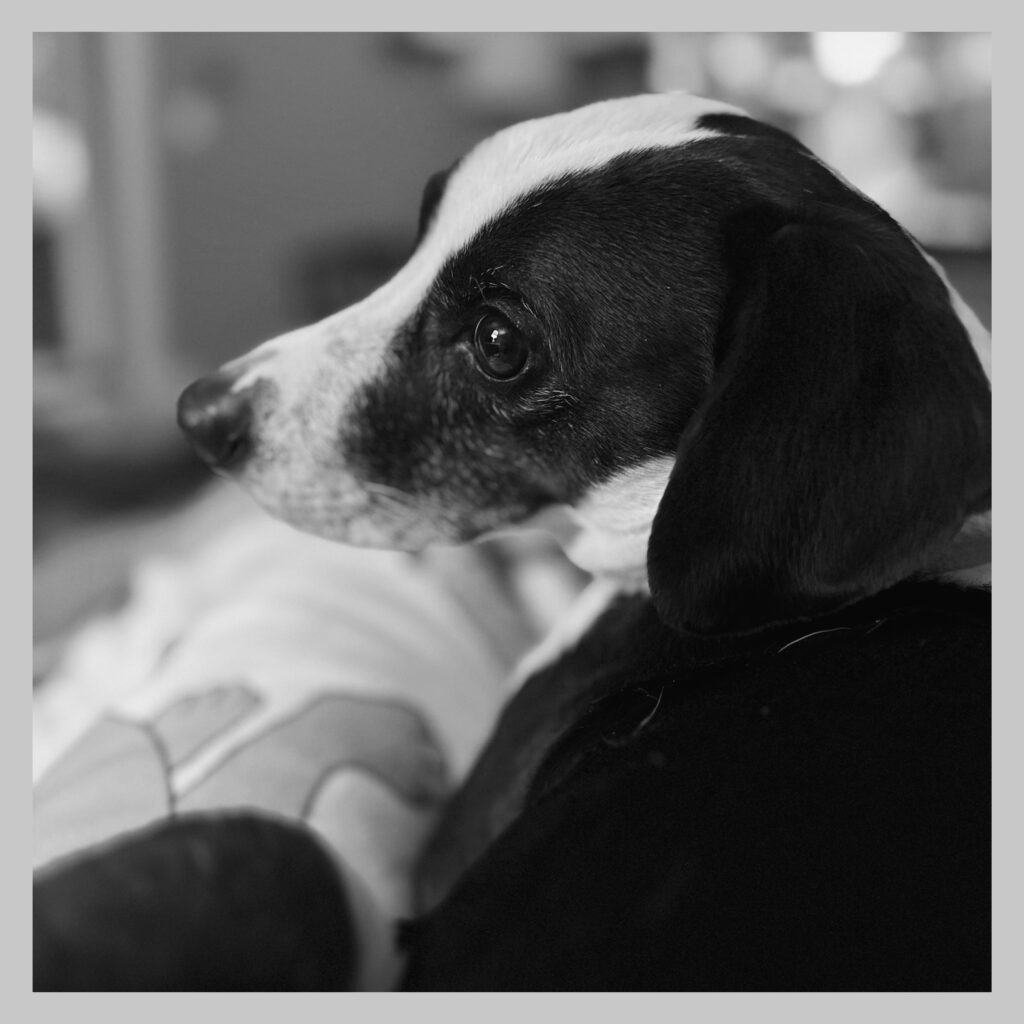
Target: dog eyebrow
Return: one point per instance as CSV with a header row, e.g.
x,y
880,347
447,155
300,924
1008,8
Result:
x,y
483,288
488,283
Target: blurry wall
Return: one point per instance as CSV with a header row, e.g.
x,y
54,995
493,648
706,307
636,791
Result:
x,y
282,145
276,144
906,116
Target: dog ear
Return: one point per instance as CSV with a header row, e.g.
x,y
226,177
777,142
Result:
x,y
846,434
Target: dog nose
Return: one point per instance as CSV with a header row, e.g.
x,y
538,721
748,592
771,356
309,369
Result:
x,y
216,420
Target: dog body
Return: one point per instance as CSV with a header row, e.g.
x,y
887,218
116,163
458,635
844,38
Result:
x,y
759,406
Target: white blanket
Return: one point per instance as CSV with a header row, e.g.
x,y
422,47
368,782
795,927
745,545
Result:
x,y
273,671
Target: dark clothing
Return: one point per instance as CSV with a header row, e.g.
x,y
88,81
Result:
x,y
757,815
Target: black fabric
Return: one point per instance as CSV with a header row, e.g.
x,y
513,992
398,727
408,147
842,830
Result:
x,y
228,902
804,812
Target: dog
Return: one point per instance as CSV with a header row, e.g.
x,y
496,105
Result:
x,y
754,756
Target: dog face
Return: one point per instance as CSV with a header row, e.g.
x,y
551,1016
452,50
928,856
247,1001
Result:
x,y
581,288
548,333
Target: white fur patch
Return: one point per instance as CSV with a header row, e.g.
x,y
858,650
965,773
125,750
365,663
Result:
x,y
976,533
981,340
615,521
967,561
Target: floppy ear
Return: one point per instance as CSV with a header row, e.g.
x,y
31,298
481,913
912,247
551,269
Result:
x,y
846,434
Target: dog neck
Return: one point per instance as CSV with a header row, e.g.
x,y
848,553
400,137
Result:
x,y
606,534
607,531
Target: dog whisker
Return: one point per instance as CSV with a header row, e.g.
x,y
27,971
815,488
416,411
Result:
x,y
389,492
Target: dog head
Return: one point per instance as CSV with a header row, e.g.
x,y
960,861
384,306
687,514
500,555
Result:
x,y
743,378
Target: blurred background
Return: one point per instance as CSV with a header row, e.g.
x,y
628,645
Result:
x,y
195,194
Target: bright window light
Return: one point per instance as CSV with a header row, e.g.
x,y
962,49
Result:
x,y
852,58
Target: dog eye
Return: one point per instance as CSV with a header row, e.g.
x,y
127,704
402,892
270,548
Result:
x,y
500,350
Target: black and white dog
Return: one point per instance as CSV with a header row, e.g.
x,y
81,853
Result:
x,y
758,756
